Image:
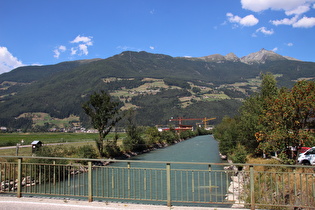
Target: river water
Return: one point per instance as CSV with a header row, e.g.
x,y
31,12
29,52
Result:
x,y
146,181
211,187
197,149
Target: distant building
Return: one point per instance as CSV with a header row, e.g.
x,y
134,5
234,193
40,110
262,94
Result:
x,y
36,145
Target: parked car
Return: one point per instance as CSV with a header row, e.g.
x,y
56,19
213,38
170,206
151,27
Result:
x,y
304,149
308,157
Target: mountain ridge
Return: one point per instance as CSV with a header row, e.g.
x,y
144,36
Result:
x,y
157,85
259,57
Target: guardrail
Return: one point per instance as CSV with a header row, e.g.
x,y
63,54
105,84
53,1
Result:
x,y
181,183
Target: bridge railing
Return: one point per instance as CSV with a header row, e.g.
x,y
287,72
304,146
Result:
x,y
158,182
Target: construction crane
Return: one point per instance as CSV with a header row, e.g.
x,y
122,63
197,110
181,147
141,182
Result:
x,y
204,120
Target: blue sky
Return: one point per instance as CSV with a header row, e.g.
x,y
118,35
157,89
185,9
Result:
x,y
42,32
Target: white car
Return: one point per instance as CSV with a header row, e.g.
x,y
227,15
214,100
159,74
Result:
x,y
308,157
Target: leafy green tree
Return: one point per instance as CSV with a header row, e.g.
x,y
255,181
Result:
x,y
169,137
196,89
187,134
152,135
243,128
134,141
288,118
227,133
104,114
253,108
239,155
111,148
87,151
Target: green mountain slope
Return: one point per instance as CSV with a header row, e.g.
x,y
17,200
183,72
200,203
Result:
x,y
159,86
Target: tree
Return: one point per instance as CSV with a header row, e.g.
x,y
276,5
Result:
x,y
239,155
104,114
253,108
242,129
134,141
153,136
227,133
111,149
86,151
288,118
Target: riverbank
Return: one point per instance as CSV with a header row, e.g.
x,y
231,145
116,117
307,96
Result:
x,y
236,187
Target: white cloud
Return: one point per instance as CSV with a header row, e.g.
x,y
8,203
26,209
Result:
x,y
36,64
248,20
290,7
305,22
59,50
298,10
73,51
152,48
265,31
286,5
83,43
62,48
275,49
83,49
57,53
8,61
290,44
285,21
86,40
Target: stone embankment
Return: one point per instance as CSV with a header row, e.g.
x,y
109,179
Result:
x,y
11,185
236,187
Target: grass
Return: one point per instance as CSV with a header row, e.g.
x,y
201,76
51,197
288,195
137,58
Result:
x,y
42,118
11,139
75,140
279,186
27,151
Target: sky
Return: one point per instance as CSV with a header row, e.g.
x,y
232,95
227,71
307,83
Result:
x,y
44,32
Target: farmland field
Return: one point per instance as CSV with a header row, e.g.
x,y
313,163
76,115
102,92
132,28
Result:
x,y
11,139
74,140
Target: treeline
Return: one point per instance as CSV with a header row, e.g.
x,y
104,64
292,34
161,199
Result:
x,y
138,140
271,121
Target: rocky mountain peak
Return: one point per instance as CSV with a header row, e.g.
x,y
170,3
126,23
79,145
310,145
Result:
x,y
232,57
218,58
262,56
214,58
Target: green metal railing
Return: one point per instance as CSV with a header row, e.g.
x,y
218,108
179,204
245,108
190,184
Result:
x,y
181,183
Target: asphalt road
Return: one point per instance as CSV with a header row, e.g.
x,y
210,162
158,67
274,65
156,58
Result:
x,y
26,203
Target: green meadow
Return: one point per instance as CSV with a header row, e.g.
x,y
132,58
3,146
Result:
x,y
74,140
11,139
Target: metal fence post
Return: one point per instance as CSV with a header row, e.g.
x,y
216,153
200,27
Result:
x,y
54,174
19,178
252,187
168,184
90,183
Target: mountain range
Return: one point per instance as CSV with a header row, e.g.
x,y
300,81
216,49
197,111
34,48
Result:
x,y
158,86
259,57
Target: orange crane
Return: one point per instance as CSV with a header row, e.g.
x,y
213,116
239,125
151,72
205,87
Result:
x,y
204,120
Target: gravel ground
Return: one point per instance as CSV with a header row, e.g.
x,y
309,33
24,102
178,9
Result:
x,y
26,203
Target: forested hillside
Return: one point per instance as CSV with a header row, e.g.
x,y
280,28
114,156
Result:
x,y
157,86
